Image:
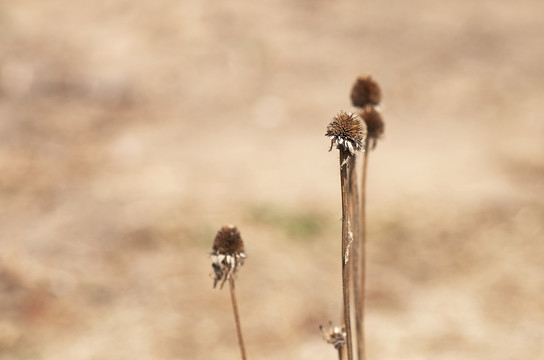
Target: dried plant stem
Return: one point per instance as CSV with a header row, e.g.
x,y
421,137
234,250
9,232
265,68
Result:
x,y
362,254
340,353
347,239
355,276
237,319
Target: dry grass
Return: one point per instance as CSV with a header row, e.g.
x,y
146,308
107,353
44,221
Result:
x,y
129,132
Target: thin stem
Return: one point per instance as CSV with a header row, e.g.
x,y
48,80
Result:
x,y
347,238
237,319
362,250
340,353
355,277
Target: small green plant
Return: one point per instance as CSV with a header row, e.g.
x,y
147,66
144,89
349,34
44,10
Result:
x,y
298,226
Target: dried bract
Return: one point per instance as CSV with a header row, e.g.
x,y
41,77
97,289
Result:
x,y
365,91
347,131
228,254
334,335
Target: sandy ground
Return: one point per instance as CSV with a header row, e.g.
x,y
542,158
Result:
x,y
130,131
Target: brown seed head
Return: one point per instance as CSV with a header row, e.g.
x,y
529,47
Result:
x,y
365,91
228,241
348,131
374,123
227,255
334,335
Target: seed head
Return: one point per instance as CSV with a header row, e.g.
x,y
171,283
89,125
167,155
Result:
x,y
365,91
334,335
347,131
374,123
228,254
228,241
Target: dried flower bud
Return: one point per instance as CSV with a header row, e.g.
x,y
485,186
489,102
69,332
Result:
x,y
347,131
374,123
228,254
334,335
365,91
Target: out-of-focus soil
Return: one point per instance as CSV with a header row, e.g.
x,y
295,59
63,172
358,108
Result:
x,y
130,131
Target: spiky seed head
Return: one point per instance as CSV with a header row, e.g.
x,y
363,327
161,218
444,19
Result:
x,y
228,241
227,255
347,131
374,122
365,91
334,335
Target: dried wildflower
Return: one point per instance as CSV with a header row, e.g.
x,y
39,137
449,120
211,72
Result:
x,y
374,123
228,254
347,131
365,91
334,335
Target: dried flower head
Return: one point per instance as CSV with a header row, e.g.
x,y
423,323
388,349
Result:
x,y
228,254
334,335
365,91
374,123
347,131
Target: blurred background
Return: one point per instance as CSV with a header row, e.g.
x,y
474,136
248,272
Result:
x,y
131,131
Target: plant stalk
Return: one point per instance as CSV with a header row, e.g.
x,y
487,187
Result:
x,y
340,353
362,252
355,276
347,239
237,319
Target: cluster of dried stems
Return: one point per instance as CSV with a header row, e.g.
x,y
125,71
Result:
x,y
351,133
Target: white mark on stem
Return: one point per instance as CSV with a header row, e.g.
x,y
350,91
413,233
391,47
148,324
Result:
x,y
350,237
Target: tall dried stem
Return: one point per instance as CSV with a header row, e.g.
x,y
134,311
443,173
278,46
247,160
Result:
x,y
362,260
347,132
366,95
347,240
355,275
237,319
